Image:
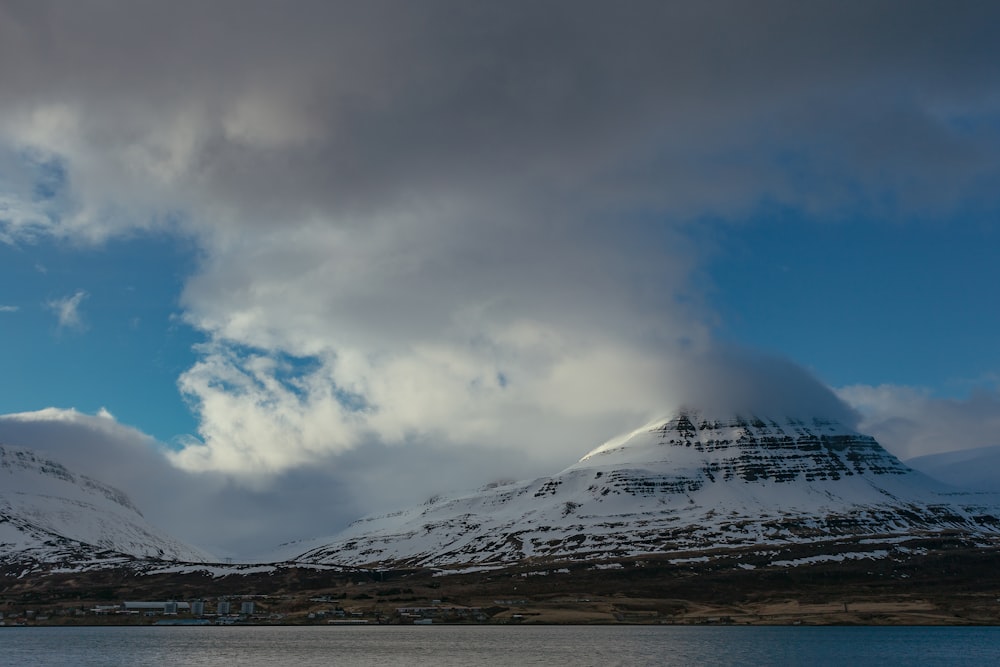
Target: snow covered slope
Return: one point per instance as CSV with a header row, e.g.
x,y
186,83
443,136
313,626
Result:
x,y
683,484
49,515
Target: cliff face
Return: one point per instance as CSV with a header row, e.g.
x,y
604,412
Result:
x,y
690,483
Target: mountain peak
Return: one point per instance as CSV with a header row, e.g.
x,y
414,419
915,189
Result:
x,y
660,441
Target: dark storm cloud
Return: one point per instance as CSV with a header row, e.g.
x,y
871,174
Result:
x,y
351,106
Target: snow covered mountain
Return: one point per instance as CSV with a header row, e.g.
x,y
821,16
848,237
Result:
x,y
685,484
52,516
977,468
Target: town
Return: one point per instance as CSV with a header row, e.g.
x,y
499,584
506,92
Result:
x,y
244,610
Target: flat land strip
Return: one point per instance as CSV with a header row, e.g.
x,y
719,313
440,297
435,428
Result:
x,y
943,584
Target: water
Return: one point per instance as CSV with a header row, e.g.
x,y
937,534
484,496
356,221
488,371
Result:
x,y
498,645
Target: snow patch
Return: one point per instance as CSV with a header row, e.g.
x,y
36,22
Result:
x,y
824,558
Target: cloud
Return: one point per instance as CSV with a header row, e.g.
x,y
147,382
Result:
x,y
529,392
9,309
67,310
349,113
469,226
911,421
727,380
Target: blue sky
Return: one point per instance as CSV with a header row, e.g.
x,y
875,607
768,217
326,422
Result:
x,y
127,347
320,251
864,302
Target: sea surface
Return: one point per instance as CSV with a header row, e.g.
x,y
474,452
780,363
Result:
x,y
498,645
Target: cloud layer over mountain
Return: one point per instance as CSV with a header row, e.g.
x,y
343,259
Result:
x,y
468,228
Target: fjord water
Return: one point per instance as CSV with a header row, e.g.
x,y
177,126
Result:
x,y
498,645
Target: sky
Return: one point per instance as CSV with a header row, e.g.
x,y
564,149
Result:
x,y
271,266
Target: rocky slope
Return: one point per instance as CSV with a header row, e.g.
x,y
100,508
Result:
x,y
50,516
686,484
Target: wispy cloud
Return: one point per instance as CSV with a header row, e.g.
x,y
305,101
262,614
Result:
x,y
67,310
9,309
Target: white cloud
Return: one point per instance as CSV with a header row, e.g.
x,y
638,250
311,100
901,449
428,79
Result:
x,y
9,309
911,421
536,393
67,310
254,421
418,325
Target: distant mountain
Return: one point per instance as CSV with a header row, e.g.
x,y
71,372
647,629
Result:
x,y
53,517
691,483
969,468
